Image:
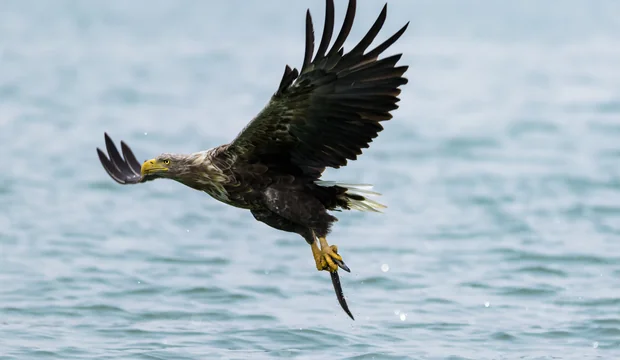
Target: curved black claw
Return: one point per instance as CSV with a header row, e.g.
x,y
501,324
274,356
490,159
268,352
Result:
x,y
123,169
339,293
342,265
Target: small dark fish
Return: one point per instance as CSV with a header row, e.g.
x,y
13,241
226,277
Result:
x,y
340,294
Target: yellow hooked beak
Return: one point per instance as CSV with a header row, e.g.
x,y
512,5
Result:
x,y
152,166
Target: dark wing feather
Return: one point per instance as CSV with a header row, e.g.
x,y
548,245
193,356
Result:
x,y
123,169
327,113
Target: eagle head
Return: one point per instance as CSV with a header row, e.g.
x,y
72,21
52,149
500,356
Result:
x,y
171,166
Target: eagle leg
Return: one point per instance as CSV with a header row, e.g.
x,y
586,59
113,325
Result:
x,y
327,258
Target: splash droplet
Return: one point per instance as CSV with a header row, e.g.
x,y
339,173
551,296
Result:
x,y
487,304
385,267
595,344
396,312
146,133
403,317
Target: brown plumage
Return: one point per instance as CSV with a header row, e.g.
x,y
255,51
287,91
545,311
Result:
x,y
321,116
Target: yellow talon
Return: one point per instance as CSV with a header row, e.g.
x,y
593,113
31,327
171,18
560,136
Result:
x,y
326,258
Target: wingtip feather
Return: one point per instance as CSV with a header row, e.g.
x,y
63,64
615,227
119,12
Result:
x,y
309,41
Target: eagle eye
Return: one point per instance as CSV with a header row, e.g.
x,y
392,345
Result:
x,y
166,162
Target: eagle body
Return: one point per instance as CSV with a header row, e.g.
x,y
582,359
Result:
x,y
275,194
320,116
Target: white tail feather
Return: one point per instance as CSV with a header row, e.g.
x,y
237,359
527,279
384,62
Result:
x,y
363,190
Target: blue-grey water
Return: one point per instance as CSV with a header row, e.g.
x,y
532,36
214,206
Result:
x,y
501,170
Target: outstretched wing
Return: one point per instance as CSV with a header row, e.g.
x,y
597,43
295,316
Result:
x,y
326,113
123,169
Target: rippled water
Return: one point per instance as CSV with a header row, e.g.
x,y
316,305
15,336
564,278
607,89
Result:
x,y
500,169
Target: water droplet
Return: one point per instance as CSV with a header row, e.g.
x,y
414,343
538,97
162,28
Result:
x,y
146,133
396,312
403,317
595,344
487,304
266,272
385,267
187,230
138,282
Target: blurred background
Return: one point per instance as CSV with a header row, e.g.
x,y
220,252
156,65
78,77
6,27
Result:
x,y
500,170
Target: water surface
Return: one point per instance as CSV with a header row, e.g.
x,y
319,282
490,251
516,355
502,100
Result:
x,y
500,171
